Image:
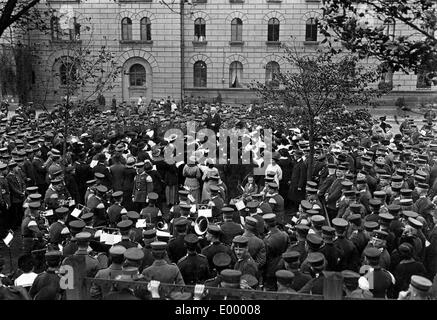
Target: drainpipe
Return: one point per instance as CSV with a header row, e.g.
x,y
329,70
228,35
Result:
x,y
182,17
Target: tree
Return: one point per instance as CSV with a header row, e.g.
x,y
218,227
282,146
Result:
x,y
314,91
366,27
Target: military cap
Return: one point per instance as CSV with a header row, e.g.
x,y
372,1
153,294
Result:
x,y
339,223
420,178
77,225
347,185
149,234
181,223
401,172
35,197
406,192
130,161
306,205
328,231
361,180
291,256
101,188
34,205
269,217
410,214
318,220
139,164
379,194
410,165
117,194
32,189
420,283
314,240
214,229
284,277
252,204
355,207
332,166
240,241
134,254
312,212
341,167
385,176
386,217
349,193
183,193
415,223
380,234
316,259
185,207
87,216
214,189
372,253
250,222
273,185
117,250
406,202
53,255
83,236
227,211
375,202
367,164
61,211
371,225
231,276
350,276
191,240
221,260
158,246
302,229
152,196
133,215
99,175
124,225
12,164
250,279
355,219
394,209
3,166
311,190
423,185
90,182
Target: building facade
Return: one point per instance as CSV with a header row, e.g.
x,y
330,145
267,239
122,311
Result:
x,y
202,48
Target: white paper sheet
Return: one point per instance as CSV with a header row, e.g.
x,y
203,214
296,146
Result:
x,y
76,213
7,240
93,163
141,223
240,205
205,213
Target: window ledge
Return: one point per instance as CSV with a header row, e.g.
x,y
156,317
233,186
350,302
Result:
x,y
274,0
62,41
312,1
273,43
236,43
137,87
136,41
311,43
236,1
143,1
200,43
199,1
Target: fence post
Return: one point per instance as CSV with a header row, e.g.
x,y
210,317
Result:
x,y
333,286
76,291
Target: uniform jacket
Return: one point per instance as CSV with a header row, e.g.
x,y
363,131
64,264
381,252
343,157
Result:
x,y
141,187
117,176
247,266
230,229
211,250
163,272
55,231
176,248
16,187
99,291
194,268
101,168
39,171
47,278
257,248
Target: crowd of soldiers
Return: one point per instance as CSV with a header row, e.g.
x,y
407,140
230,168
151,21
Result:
x,y
103,190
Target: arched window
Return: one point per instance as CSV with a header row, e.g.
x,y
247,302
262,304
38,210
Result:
x,y
199,29
235,74
146,29
311,29
200,74
126,29
75,30
390,25
272,70
55,28
137,75
68,73
273,30
236,29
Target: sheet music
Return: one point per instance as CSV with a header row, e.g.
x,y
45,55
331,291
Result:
x,y
240,205
205,213
7,240
76,213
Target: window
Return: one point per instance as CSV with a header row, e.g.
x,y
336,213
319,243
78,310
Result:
x,y
137,75
68,73
273,30
200,73
236,30
55,28
272,69
235,74
389,25
146,29
311,29
75,31
126,29
199,30
423,79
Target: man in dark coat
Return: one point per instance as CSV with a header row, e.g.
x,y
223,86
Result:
x,y
296,192
83,174
101,168
176,246
229,228
117,173
213,235
213,121
193,266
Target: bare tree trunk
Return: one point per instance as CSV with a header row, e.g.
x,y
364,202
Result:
x,y
311,155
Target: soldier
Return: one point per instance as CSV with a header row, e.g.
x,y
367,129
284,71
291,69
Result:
x,y
90,190
32,229
317,264
290,262
194,267
91,264
276,243
284,281
88,218
40,172
256,247
71,246
253,207
49,278
299,246
5,199
245,262
102,169
134,257
350,259
276,201
125,227
213,236
116,254
16,187
221,261
419,289
176,246
230,279
143,185
380,280
332,253
356,232
151,213
99,197
136,234
116,210
56,228
216,202
54,196
229,228
335,192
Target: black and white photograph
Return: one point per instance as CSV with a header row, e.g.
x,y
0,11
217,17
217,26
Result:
x,y
239,151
